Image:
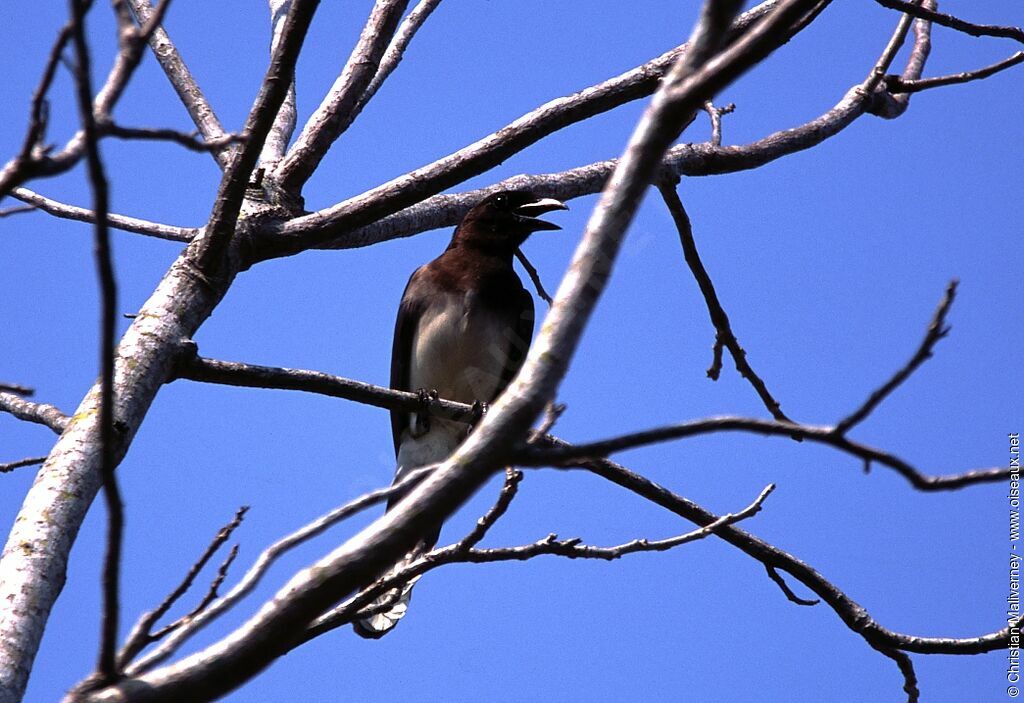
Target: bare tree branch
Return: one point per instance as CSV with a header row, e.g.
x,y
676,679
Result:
x,y
906,667
30,461
534,276
885,104
188,141
239,374
18,389
538,456
33,145
122,222
571,548
106,665
280,134
724,334
269,555
852,614
897,84
44,163
448,210
16,210
499,146
715,114
975,30
184,84
231,373
142,633
500,507
273,90
40,413
338,108
937,330
776,578
395,51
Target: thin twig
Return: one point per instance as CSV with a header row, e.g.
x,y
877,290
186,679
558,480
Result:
x,y
539,455
18,389
142,634
906,667
534,276
715,113
33,144
211,595
107,663
17,210
122,222
552,411
486,522
30,461
189,141
937,330
265,560
776,577
571,548
897,84
719,318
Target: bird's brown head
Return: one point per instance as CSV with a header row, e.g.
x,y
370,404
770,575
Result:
x,y
502,221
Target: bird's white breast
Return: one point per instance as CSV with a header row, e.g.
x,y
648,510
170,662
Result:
x,y
459,350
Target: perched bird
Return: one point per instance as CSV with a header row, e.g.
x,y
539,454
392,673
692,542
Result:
x,y
464,325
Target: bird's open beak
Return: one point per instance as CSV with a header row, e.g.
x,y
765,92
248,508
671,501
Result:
x,y
528,212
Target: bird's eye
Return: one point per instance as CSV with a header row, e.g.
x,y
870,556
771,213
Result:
x,y
501,200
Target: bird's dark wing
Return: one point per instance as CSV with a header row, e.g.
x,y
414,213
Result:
x,y
410,310
522,334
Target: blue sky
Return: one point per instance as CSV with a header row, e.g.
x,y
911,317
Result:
x,y
829,262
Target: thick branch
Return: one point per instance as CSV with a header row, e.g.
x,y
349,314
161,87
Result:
x,y
396,50
336,112
448,210
497,147
184,84
273,90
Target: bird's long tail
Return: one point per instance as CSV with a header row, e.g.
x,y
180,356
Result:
x,y
390,607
